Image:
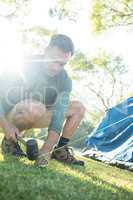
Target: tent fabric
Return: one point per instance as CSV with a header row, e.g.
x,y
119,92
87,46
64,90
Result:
x,y
112,140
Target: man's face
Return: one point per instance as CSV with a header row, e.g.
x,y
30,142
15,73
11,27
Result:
x,y
56,59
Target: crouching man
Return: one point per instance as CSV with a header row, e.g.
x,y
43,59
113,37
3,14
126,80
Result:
x,y
38,98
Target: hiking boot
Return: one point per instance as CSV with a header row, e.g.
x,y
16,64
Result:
x,y
10,147
66,155
42,160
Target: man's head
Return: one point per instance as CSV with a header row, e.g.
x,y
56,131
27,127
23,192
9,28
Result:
x,y
58,53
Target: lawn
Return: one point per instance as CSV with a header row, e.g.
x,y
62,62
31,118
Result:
x,y
19,179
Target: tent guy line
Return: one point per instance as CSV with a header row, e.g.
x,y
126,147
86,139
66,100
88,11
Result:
x,y
131,116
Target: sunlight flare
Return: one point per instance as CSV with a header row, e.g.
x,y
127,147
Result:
x,y
11,58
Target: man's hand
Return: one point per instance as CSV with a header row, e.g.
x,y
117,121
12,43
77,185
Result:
x,y
11,132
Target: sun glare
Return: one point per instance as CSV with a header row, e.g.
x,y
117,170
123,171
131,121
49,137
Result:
x,y
11,58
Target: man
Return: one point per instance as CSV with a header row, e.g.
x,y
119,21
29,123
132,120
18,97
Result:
x,y
38,98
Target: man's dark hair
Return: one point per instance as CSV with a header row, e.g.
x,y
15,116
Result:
x,y
63,42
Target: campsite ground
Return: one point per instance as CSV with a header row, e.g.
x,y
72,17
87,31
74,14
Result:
x,y
19,179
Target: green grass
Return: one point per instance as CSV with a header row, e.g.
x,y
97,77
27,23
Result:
x,y
19,179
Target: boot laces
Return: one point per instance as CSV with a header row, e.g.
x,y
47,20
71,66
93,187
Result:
x,y
70,153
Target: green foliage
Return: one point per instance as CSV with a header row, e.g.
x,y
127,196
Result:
x,y
64,9
103,81
80,61
15,8
33,37
111,63
40,30
96,116
8,1
106,14
96,16
102,60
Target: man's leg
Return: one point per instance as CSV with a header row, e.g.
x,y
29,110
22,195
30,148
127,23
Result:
x,y
26,114
74,116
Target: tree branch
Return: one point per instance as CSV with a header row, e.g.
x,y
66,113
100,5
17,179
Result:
x,y
99,96
120,13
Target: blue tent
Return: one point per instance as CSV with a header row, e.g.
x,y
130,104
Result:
x,y
112,140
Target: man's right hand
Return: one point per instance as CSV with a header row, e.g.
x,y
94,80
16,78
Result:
x,y
11,132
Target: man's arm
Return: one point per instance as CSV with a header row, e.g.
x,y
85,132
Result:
x,y
59,112
9,129
61,105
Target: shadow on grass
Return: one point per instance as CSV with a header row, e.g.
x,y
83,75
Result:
x,y
82,171
21,180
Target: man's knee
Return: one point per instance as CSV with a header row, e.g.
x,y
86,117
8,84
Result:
x,y
78,108
28,113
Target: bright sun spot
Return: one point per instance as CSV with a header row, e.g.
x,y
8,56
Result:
x,y
11,59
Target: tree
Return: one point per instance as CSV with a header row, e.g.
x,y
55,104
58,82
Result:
x,y
32,37
12,9
64,9
80,61
111,13
102,80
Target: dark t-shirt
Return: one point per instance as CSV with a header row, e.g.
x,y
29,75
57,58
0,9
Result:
x,y
34,83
